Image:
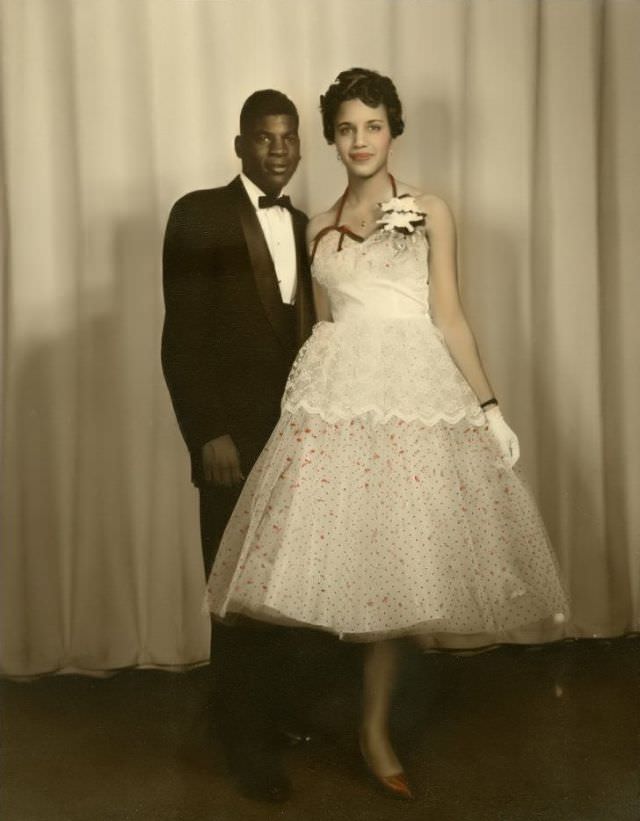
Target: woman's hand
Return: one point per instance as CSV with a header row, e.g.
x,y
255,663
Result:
x,y
504,436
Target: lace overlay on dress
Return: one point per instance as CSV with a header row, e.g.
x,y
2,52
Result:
x,y
382,354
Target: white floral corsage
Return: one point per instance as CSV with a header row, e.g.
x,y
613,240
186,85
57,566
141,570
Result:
x,y
401,214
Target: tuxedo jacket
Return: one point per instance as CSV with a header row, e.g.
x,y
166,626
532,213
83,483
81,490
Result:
x,y
228,340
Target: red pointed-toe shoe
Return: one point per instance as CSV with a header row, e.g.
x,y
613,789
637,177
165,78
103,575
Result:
x,y
395,786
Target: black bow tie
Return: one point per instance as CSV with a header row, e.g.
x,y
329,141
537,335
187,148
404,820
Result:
x,y
270,200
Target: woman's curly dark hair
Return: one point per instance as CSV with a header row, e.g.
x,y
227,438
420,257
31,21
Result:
x,y
372,88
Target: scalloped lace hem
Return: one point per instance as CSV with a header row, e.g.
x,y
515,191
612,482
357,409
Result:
x,y
379,416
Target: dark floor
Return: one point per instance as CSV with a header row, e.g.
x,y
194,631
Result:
x,y
514,734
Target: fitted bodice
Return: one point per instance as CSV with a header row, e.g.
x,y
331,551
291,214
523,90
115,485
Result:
x,y
385,275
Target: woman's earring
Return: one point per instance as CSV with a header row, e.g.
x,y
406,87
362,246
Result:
x,y
338,157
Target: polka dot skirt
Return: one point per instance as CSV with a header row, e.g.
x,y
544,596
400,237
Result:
x,y
380,505
370,530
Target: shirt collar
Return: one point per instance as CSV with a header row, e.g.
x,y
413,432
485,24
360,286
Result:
x,y
253,192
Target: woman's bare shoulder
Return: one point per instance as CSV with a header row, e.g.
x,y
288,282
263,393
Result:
x,y
439,218
321,221
428,202
435,206
404,189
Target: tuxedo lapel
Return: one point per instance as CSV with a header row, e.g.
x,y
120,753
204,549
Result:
x,y
261,264
304,297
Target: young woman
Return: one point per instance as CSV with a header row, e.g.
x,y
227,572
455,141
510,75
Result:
x,y
385,502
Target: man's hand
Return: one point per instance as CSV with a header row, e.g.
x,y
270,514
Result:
x,y
221,462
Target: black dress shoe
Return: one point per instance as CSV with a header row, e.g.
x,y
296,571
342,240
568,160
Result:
x,y
259,773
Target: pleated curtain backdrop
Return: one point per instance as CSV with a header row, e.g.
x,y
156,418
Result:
x,y
524,115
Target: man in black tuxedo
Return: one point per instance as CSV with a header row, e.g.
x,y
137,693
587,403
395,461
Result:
x,y
238,306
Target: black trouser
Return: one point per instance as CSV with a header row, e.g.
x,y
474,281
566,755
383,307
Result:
x,y
254,681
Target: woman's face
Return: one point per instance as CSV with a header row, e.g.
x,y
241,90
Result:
x,y
362,137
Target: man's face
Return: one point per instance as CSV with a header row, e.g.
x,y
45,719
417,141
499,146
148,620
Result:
x,y
270,151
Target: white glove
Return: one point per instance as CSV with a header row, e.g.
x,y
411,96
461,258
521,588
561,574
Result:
x,y
504,436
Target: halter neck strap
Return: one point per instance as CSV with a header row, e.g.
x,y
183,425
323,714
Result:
x,y
343,199
342,229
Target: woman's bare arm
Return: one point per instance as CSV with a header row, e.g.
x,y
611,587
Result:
x,y
446,307
320,296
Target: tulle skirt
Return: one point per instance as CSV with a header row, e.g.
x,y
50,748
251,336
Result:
x,y
381,505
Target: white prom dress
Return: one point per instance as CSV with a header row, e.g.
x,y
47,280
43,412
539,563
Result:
x,y
381,505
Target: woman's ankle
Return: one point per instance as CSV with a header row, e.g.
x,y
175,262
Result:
x,y
378,751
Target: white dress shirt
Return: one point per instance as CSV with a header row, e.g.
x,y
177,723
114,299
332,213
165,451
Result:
x,y
277,228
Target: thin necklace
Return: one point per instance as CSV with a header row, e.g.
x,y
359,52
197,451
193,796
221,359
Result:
x,y
365,222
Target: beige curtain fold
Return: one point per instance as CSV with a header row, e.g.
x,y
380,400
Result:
x,y
522,114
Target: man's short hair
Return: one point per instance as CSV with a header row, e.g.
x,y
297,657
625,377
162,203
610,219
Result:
x,y
262,104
